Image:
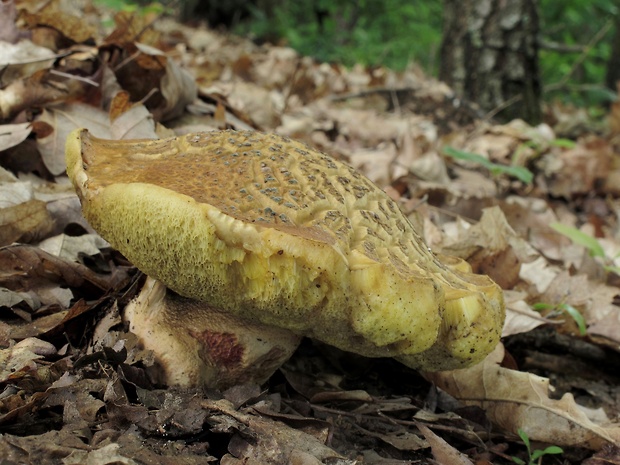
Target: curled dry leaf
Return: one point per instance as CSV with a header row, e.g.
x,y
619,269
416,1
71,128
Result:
x,y
13,134
516,400
31,268
65,118
271,442
443,452
22,356
24,222
492,247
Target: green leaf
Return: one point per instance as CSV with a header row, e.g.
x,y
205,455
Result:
x,y
564,143
540,306
519,172
517,460
581,238
553,450
577,316
524,437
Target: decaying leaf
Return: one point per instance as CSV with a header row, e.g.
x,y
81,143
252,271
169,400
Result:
x,y
517,400
264,441
13,134
22,357
443,452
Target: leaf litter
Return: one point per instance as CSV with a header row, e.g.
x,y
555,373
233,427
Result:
x,y
74,384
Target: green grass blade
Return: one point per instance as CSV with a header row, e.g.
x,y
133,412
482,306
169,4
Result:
x,y
577,316
581,238
519,172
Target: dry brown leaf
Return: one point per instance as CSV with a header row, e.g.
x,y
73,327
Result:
x,y
53,15
9,33
595,300
135,123
23,221
177,87
577,170
516,400
492,247
261,105
27,268
22,59
375,163
444,453
539,274
15,300
13,134
64,118
273,443
399,438
22,357
520,318
72,247
530,217
608,455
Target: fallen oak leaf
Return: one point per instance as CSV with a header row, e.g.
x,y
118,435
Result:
x,y
516,400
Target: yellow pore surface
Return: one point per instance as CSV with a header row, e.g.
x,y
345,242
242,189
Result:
x,y
276,232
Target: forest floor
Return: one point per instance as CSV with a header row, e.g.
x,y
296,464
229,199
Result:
x,y
535,208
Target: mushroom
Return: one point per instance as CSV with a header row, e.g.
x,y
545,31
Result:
x,y
255,240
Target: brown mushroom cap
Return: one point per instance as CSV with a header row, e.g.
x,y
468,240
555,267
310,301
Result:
x,y
280,234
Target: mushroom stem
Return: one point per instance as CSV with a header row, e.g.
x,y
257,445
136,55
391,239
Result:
x,y
196,344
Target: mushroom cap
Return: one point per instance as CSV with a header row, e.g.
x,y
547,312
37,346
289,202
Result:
x,y
278,233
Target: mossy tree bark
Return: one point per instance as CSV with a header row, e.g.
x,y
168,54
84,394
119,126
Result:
x,y
489,55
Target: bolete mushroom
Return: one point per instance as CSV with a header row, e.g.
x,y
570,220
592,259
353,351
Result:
x,y
258,235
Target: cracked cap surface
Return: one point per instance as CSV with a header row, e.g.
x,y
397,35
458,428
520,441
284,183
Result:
x,y
276,232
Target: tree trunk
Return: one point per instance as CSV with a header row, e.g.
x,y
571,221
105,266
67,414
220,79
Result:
x,y
489,55
612,79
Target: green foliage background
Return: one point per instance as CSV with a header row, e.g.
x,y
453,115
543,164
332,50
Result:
x,y
372,32
397,33
577,23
